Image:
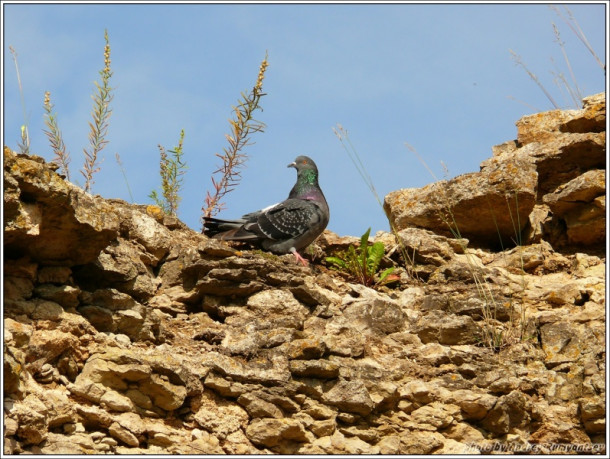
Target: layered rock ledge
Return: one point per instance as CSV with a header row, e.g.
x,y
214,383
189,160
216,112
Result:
x,y
125,332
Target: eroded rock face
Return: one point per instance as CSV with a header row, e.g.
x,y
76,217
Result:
x,y
51,220
154,339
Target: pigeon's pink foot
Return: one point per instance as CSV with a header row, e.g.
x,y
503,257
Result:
x,y
299,258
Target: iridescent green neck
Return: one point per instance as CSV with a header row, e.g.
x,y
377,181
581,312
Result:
x,y
310,177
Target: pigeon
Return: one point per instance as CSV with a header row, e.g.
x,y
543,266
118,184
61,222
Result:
x,y
286,227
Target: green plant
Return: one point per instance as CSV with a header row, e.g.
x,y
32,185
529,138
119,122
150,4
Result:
x,y
233,158
171,170
101,114
24,145
62,157
343,137
363,263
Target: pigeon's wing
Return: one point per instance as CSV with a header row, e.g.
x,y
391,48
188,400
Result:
x,y
287,220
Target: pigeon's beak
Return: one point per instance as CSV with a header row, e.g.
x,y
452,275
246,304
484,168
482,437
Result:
x,y
293,164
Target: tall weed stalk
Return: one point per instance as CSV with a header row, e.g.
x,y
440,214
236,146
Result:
x,y
243,125
98,129
62,157
171,169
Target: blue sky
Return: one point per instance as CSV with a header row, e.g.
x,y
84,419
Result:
x,y
437,76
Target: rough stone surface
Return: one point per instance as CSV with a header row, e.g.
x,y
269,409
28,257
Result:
x,y
558,158
481,204
51,220
127,333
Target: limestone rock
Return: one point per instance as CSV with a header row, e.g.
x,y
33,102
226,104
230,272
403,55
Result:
x,y
51,220
482,204
571,195
581,204
351,396
144,229
430,248
322,369
563,342
447,329
542,126
32,420
593,415
420,442
120,265
434,416
371,312
269,432
510,411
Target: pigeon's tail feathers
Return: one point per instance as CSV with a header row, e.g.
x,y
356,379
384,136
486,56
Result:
x,y
215,227
227,230
212,226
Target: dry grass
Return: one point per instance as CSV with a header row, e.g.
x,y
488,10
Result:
x,y
120,163
24,145
343,137
493,335
569,88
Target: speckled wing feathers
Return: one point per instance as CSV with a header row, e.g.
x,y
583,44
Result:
x,y
288,219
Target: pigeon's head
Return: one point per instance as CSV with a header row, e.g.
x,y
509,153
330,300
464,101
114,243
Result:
x,y
304,163
306,186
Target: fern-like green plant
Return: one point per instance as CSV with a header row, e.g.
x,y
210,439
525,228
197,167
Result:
x,y
362,264
348,146
172,168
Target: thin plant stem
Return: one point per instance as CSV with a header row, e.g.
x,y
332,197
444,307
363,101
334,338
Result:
x,y
575,27
233,157
348,146
574,90
492,336
520,63
24,146
120,163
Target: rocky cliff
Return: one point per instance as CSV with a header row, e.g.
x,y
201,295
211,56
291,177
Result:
x,y
127,332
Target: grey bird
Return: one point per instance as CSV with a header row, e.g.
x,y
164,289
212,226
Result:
x,y
286,227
